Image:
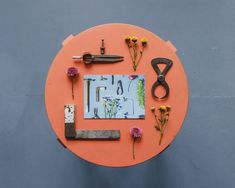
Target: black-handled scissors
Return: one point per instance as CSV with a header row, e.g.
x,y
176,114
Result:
x,y
89,58
161,75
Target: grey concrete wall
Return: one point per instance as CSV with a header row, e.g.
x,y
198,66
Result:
x,y
30,35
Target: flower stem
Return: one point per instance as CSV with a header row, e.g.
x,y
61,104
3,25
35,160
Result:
x,y
72,91
129,49
155,116
133,149
141,54
161,136
134,66
135,56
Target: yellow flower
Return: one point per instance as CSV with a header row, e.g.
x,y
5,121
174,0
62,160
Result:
x,y
152,109
162,108
134,39
127,39
144,41
168,108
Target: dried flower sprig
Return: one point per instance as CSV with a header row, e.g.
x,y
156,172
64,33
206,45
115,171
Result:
x,y
72,73
132,43
136,134
162,120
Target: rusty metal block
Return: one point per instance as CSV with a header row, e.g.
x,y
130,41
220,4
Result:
x,y
69,120
97,135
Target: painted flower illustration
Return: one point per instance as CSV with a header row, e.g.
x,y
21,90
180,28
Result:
x,y
111,106
140,92
131,78
72,73
136,134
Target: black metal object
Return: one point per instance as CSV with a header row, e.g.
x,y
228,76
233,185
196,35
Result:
x,y
70,130
102,48
161,76
89,58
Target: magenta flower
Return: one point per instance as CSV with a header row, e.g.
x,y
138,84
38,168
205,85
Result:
x,y
72,73
132,77
136,133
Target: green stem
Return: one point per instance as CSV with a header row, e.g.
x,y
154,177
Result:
x,y
161,136
133,149
135,56
141,54
129,49
161,127
72,91
134,66
155,115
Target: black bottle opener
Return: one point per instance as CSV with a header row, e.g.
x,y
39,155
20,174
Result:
x,y
161,75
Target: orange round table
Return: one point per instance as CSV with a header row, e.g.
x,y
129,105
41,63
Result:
x,y
58,93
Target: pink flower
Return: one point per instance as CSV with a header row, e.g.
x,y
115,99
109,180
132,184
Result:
x,y
132,77
72,72
136,132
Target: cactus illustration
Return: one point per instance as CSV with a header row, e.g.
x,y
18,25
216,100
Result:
x,y
140,92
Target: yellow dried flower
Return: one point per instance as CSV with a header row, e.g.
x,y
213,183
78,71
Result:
x,y
162,108
144,41
168,108
127,39
134,39
152,108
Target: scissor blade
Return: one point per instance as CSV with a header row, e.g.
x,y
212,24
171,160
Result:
x,y
106,60
108,56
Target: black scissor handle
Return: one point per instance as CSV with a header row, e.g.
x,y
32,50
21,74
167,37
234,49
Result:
x,y
87,58
164,85
157,61
161,76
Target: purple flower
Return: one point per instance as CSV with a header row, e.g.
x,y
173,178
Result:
x,y
72,72
136,132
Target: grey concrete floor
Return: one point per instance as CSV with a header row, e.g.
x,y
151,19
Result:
x,y
30,35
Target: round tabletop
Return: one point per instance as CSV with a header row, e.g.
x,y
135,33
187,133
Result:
x,y
115,153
